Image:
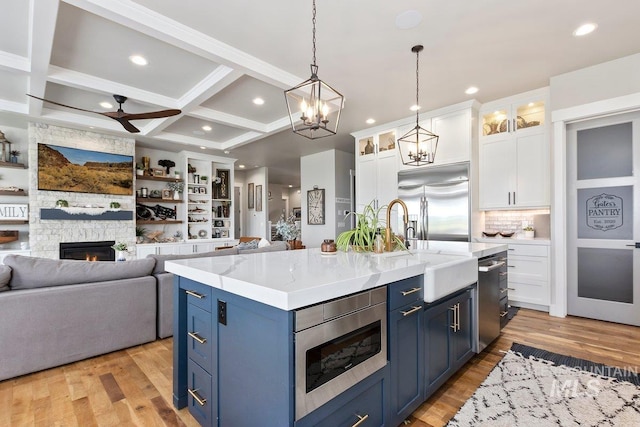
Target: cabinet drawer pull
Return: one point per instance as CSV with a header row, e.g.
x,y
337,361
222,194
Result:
x,y
413,310
504,313
511,266
194,393
410,291
503,290
197,337
195,294
361,419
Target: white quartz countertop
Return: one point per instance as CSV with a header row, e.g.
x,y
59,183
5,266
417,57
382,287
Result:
x,y
513,241
293,279
473,249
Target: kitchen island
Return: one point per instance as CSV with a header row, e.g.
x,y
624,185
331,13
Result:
x,y
236,332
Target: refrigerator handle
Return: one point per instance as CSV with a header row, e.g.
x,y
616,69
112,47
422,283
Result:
x,y
424,218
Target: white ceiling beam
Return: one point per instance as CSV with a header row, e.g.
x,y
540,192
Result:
x,y
189,140
14,107
42,25
151,23
227,119
14,62
96,84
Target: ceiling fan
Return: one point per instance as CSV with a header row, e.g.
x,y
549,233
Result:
x,y
120,116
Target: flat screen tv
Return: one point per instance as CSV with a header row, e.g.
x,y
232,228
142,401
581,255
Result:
x,y
84,171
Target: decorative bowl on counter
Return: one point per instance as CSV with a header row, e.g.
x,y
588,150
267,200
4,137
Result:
x,y
490,233
507,233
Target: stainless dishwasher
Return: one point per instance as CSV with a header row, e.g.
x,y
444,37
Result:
x,y
492,271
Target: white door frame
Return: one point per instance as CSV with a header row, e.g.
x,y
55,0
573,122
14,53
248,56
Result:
x,y
560,119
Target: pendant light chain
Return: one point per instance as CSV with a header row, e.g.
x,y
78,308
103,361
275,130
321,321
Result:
x,y
417,85
313,20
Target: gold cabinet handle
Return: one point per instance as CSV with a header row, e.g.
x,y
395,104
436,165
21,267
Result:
x,y
195,294
361,419
194,393
504,313
413,310
410,291
197,337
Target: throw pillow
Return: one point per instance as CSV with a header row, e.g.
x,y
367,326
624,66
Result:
x,y
5,276
248,245
263,243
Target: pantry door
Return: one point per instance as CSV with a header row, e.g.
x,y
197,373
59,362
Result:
x,y
603,228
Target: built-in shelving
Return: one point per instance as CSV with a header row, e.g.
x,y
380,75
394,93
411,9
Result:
x,y
159,222
156,200
12,193
157,178
14,221
13,165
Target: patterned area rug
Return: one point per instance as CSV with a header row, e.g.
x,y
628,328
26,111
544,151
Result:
x,y
532,387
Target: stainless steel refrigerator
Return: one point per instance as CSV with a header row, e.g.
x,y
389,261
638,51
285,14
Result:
x,y
438,202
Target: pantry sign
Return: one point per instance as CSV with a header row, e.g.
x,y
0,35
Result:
x,y
605,212
14,212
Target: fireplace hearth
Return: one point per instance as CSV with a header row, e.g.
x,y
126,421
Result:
x,y
89,251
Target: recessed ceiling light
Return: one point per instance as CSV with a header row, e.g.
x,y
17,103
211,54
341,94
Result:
x,y
258,101
138,60
471,90
241,166
585,29
408,19
105,104
226,151
414,108
290,186
202,147
198,132
370,121
206,128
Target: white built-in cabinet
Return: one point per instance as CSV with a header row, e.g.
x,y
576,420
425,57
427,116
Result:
x,y
376,173
514,163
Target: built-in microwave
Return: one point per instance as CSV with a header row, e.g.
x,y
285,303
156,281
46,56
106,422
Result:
x,y
338,344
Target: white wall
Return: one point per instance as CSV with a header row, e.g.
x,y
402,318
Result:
x,y
596,83
257,221
344,163
328,170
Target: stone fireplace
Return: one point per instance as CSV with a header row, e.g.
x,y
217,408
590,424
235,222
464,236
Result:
x,y
45,235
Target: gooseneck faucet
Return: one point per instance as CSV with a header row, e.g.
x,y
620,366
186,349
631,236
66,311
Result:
x,y
405,219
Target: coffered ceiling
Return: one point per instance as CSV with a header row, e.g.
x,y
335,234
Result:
x,y
211,59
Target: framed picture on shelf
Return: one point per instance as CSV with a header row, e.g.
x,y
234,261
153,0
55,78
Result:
x,y
258,198
218,223
157,172
250,196
223,185
315,206
203,190
225,233
167,194
297,213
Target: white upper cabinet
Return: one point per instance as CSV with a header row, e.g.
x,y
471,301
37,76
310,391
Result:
x,y
376,172
514,165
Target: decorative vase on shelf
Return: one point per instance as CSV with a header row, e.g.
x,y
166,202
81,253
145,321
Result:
x,y
14,159
176,195
368,149
121,256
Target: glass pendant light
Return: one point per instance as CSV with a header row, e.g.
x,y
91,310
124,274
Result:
x,y
314,106
418,146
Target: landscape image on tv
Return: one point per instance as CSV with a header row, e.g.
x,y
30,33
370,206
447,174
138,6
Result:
x,y
84,171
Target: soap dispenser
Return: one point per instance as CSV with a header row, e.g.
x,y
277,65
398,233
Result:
x,y
378,242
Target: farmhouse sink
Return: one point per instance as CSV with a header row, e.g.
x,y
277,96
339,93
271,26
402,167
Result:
x,y
447,275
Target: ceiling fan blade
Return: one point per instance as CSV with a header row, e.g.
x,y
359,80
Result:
x,y
125,124
64,105
152,114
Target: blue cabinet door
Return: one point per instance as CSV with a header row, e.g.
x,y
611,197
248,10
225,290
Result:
x,y
462,337
406,361
438,321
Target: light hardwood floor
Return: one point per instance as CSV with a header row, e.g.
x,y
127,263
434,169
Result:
x,y
133,387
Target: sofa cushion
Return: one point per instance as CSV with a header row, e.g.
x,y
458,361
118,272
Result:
x,y
273,247
32,272
5,276
160,259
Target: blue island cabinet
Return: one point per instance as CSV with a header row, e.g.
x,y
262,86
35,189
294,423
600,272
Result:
x,y
448,337
233,358
406,360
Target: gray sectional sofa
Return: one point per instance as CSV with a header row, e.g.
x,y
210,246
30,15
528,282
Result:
x,y
53,312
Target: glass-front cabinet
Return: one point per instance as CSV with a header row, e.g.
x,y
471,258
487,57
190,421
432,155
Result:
x,y
514,117
376,171
382,144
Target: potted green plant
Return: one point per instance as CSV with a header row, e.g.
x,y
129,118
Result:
x,y
529,233
61,203
114,205
140,232
139,169
14,156
362,237
121,249
287,229
177,188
